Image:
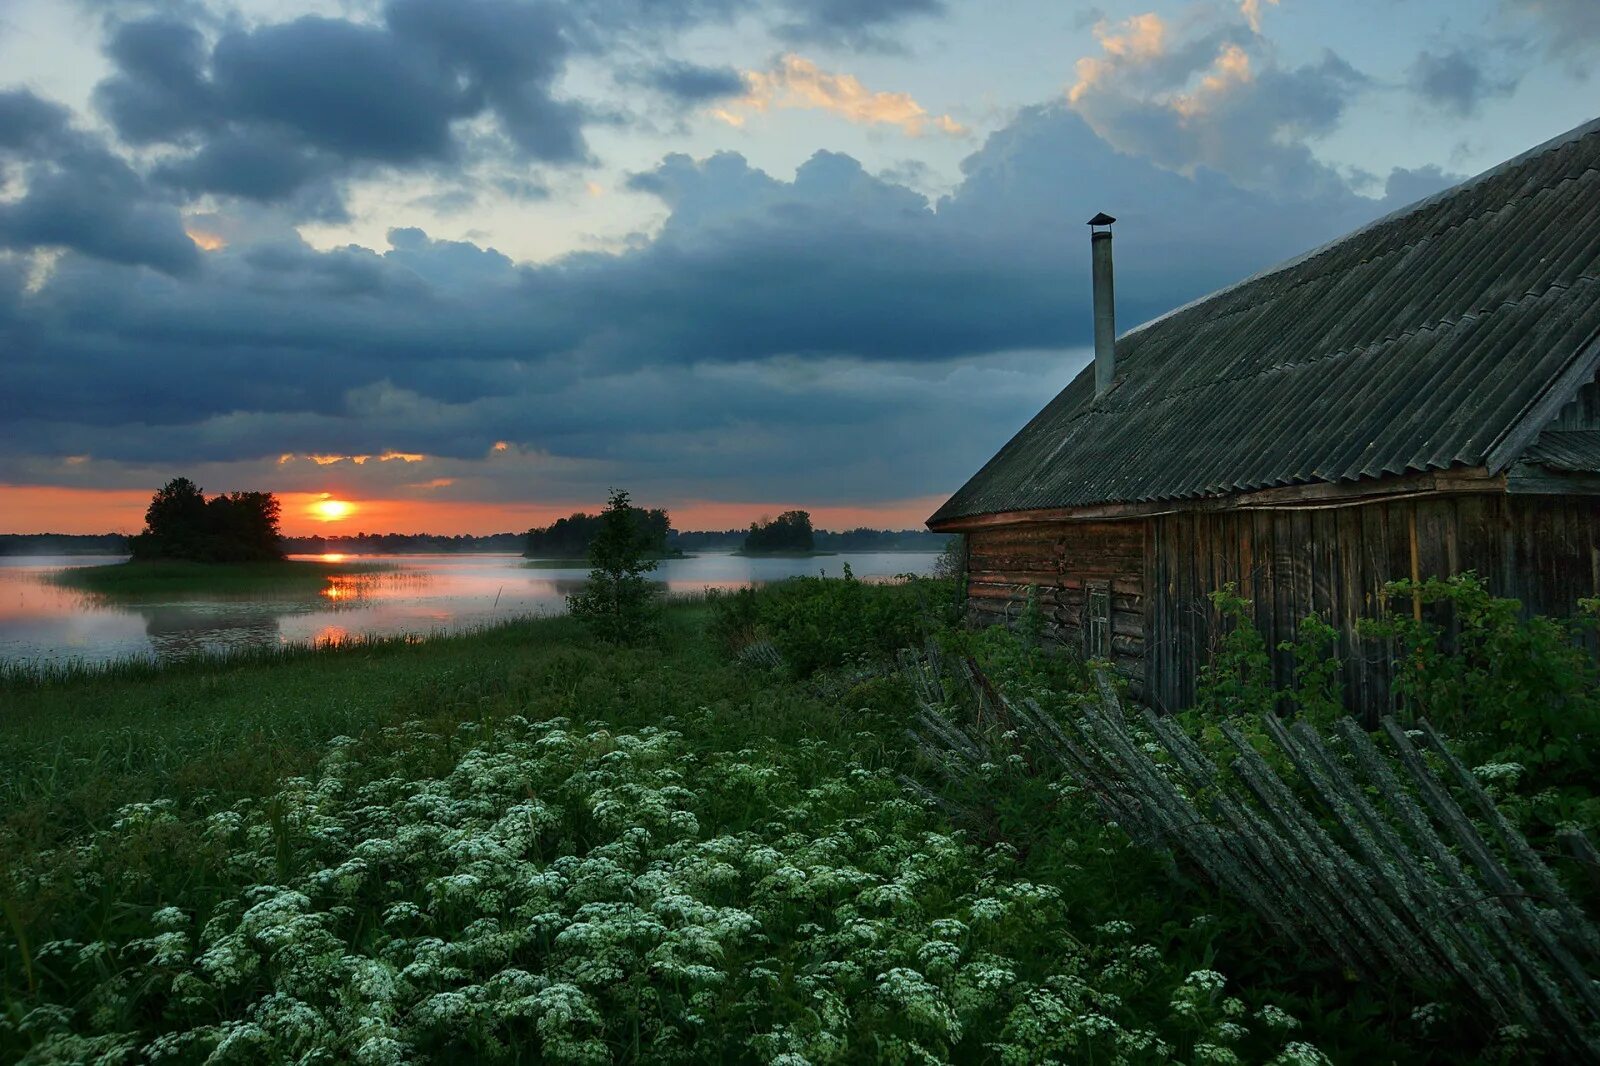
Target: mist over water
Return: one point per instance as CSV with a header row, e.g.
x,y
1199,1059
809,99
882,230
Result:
x,y
422,595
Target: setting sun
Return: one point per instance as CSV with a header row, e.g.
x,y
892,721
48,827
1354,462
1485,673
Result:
x,y
330,510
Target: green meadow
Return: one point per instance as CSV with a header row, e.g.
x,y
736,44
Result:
x,y
523,845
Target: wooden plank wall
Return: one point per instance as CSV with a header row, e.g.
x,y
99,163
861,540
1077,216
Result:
x,y
1061,560
1544,551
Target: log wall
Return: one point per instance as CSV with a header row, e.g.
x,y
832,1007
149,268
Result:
x,y
1544,551
1062,561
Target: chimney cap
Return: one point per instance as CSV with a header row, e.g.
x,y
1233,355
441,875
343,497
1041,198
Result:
x,y
1102,219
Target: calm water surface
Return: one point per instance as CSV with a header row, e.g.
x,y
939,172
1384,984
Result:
x,y
421,595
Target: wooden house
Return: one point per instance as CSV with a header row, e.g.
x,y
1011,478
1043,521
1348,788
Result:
x,y
1415,399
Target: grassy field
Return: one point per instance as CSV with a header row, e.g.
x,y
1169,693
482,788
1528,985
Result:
x,y
521,846
145,580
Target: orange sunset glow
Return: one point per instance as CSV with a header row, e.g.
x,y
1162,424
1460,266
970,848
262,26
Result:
x,y
328,509
37,508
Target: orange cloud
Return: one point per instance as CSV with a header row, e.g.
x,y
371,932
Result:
x,y
1133,41
1138,42
359,460
797,82
1251,9
1231,68
206,242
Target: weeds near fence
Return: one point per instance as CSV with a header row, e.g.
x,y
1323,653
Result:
x,y
1385,855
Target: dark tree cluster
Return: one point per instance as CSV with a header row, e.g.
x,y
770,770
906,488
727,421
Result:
x,y
863,539
63,544
181,523
789,532
570,538
405,543
823,540
618,602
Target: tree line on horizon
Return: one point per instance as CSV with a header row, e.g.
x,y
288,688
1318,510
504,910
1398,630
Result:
x,y
572,536
404,543
788,533
181,523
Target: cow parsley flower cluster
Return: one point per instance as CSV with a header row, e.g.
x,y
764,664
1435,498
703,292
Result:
x,y
577,895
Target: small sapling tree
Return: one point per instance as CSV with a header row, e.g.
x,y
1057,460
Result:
x,y
618,603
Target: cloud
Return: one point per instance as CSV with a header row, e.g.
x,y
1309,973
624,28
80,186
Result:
x,y
1570,28
74,193
1251,10
1214,97
280,112
687,83
781,335
159,91
796,82
1455,82
852,23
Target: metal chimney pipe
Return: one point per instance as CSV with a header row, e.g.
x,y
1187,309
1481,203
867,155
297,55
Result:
x,y
1105,305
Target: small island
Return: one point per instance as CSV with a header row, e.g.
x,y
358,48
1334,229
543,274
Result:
x,y
789,535
565,542
226,544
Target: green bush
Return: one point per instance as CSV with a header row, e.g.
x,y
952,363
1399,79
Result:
x,y
618,604
817,623
1518,689
1518,696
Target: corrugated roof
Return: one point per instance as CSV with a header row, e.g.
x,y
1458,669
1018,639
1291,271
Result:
x,y
1573,450
1416,343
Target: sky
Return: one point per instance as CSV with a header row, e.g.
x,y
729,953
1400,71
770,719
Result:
x,y
469,264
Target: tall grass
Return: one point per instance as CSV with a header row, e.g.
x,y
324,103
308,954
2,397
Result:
x,y
524,845
520,844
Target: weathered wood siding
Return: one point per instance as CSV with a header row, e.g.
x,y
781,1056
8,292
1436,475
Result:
x,y
1583,412
1544,551
1063,560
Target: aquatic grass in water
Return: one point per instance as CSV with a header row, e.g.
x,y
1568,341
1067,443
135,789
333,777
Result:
x,y
144,580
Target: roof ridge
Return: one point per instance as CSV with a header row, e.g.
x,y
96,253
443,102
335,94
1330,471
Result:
x,y
1359,349
1573,135
1422,340
1399,250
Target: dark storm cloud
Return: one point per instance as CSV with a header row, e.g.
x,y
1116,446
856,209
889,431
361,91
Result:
x,y
159,92
509,52
76,194
1456,82
26,120
773,329
288,113
280,109
687,83
855,23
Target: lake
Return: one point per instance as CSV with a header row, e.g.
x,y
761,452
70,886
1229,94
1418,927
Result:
x,y
421,595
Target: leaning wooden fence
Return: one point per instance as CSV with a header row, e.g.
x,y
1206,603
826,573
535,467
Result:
x,y
1362,852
